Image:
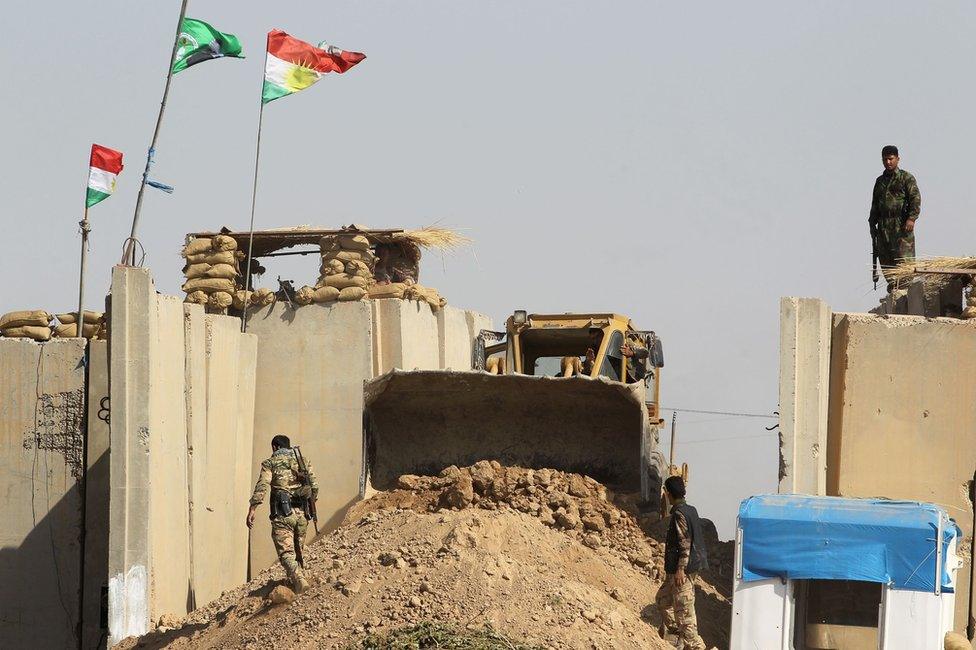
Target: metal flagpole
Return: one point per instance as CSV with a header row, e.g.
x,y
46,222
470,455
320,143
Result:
x,y
129,256
254,196
85,229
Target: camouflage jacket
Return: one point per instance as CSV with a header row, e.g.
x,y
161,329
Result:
x,y
280,472
895,199
684,536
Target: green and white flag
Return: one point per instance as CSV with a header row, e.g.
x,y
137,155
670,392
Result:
x,y
199,42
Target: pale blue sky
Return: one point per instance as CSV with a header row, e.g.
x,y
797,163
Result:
x,y
686,164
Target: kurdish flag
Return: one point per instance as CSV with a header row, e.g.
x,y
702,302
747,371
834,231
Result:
x,y
105,166
200,42
294,65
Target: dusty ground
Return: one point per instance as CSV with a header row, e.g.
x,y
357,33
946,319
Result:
x,y
545,558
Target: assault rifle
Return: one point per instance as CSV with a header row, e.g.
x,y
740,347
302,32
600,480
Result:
x,y
874,253
309,503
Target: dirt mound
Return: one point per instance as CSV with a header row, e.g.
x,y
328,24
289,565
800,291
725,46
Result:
x,y
541,557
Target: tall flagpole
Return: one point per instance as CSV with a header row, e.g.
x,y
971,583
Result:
x,y
85,229
254,196
129,256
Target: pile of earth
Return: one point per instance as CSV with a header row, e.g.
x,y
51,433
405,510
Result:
x,y
539,557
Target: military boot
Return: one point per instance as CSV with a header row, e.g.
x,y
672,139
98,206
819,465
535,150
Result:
x,y
299,581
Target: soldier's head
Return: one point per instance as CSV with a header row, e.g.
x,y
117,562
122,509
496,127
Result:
x,y
675,486
280,442
889,157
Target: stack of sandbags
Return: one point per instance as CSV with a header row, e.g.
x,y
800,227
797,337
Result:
x,y
259,297
346,271
407,291
94,327
31,324
212,272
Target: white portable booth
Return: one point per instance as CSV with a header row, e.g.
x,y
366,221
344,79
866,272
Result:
x,y
828,573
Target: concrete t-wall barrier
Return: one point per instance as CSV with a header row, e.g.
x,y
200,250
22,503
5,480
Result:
x,y
180,441
96,498
805,336
312,362
41,466
902,417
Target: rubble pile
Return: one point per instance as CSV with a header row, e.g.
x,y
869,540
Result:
x,y
538,556
212,273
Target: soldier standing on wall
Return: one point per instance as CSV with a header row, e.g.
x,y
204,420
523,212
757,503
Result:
x,y
293,490
895,206
684,557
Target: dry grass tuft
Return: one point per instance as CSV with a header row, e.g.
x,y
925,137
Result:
x,y
905,271
435,237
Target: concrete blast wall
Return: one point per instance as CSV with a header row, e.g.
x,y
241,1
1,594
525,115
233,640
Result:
x,y
900,412
182,386
42,407
312,362
803,385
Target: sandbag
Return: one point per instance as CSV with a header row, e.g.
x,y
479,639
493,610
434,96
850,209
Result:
x,y
304,296
71,317
224,257
332,267
391,290
358,267
352,293
70,330
262,296
241,299
955,641
25,318
220,300
227,271
968,313
345,256
193,271
223,243
196,297
197,246
353,242
325,294
342,281
36,332
209,285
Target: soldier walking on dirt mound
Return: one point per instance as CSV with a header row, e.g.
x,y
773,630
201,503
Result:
x,y
293,486
684,557
895,206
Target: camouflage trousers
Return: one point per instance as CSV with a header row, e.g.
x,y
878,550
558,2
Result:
x,y
288,535
682,601
891,252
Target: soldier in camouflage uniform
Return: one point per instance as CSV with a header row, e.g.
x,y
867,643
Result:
x,y
895,206
289,494
684,557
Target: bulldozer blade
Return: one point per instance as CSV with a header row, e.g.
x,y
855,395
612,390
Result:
x,y
419,422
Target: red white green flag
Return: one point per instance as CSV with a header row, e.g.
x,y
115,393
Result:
x,y
105,167
295,65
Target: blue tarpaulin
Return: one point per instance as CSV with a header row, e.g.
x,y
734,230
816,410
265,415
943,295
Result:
x,y
832,538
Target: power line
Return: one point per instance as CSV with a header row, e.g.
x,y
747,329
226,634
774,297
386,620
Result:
x,y
739,415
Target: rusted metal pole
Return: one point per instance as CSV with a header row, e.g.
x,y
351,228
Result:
x,y
85,229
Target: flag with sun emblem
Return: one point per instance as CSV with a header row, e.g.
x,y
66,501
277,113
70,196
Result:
x,y
294,65
200,42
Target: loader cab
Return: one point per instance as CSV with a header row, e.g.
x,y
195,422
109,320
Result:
x,y
573,345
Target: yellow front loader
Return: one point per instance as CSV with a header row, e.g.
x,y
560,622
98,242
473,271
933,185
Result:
x,y
573,392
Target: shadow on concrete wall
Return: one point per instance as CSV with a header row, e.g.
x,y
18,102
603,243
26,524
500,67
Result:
x,y
40,581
